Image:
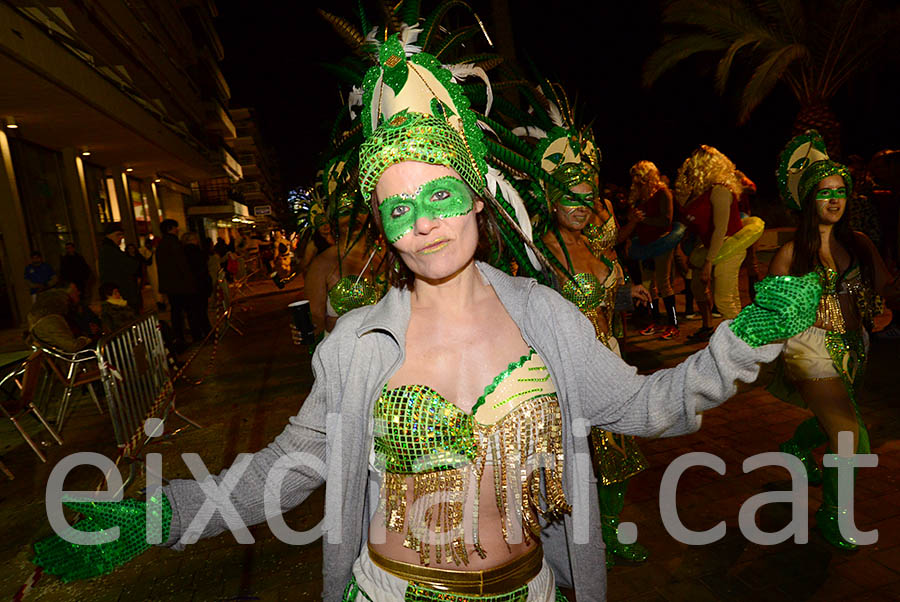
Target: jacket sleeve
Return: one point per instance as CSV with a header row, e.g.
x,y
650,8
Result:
x,y
663,404
298,456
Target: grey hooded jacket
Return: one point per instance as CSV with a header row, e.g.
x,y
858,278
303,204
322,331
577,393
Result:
x,y
329,439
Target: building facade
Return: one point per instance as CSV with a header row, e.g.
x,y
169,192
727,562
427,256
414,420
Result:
x,y
109,111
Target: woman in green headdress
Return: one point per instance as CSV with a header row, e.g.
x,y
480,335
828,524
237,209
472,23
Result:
x,y
449,420
583,243
827,360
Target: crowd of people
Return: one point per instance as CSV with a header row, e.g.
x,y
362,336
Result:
x,y
473,298
179,271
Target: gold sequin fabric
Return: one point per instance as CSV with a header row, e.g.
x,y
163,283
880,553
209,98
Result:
x,y
349,294
616,457
829,315
425,443
595,299
600,239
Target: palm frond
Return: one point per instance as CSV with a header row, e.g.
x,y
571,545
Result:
x,y
723,70
788,15
766,75
727,19
675,50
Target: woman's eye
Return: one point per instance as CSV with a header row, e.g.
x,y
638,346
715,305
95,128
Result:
x,y
441,195
399,211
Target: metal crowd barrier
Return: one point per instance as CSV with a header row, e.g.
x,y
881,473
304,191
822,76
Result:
x,y
135,373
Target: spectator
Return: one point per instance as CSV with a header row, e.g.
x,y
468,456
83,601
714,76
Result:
x,y
176,281
198,263
74,269
114,312
140,275
39,275
148,251
117,267
48,319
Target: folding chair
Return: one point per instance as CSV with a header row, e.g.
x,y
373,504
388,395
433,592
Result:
x,y
73,370
18,389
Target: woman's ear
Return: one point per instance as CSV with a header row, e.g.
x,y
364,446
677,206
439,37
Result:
x,y
479,204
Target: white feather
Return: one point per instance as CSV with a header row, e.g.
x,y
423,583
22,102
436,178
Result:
x,y
487,128
464,70
529,131
554,114
409,35
496,182
354,99
372,40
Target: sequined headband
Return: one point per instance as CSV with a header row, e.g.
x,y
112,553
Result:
x,y
415,137
817,172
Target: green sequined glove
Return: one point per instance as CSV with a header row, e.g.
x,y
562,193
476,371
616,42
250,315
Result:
x,y
71,561
784,306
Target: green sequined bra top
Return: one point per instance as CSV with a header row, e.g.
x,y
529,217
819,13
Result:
x,y
425,443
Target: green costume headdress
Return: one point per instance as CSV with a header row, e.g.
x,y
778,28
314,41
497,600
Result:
x,y
802,165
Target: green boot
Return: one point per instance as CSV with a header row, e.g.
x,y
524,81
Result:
x,y
828,512
612,500
808,436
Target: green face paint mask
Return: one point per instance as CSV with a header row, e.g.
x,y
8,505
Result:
x,y
578,199
826,194
439,198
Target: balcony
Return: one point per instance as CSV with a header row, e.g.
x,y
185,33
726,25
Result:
x,y
218,120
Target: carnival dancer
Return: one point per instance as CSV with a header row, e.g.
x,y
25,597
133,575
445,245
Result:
x,y
656,237
457,384
827,361
348,274
582,243
707,191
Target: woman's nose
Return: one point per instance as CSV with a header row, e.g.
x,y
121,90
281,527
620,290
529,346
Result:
x,y
424,225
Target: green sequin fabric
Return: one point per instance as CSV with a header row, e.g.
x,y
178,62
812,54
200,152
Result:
x,y
71,562
351,292
415,137
417,430
784,306
584,290
419,593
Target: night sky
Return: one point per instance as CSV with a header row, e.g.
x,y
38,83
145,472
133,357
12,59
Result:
x,y
272,51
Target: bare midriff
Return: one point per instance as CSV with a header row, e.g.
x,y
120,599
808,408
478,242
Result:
x,y
496,548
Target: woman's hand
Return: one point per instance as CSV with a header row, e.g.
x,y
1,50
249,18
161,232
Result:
x,y
784,306
640,294
635,215
71,562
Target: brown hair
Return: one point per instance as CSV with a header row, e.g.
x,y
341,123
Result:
x,y
399,275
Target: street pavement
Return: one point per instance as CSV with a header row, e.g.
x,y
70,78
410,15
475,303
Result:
x,y
258,380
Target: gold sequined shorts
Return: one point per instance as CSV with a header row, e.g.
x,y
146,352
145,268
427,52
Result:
x,y
806,357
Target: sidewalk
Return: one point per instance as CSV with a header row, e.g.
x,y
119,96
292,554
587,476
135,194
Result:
x,y
259,380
